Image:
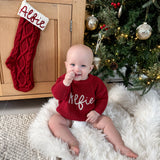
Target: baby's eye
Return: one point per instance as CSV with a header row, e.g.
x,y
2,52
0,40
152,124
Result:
x,y
72,64
83,65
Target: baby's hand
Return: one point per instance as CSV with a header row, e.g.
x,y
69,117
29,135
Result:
x,y
92,116
68,78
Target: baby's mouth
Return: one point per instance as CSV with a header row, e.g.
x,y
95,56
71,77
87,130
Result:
x,y
77,75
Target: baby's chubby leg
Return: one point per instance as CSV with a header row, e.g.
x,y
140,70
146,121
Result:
x,y
105,123
59,126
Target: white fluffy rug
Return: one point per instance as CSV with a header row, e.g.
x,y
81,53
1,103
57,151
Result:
x,y
136,117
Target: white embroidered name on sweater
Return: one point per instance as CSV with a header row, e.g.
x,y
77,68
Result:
x,y
80,100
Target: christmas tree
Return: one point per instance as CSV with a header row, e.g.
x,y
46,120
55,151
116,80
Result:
x,y
125,38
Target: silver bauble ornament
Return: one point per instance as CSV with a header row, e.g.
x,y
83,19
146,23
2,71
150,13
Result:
x,y
97,61
91,23
144,31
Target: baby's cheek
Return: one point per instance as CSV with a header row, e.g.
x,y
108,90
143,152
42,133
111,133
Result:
x,y
69,70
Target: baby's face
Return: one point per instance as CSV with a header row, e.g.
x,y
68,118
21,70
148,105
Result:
x,y
80,62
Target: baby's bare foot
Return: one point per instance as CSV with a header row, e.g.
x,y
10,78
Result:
x,y
75,150
126,151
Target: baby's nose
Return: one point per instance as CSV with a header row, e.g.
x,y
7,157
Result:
x,y
77,68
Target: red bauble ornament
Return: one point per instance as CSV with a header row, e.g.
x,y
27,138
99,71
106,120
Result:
x,y
118,4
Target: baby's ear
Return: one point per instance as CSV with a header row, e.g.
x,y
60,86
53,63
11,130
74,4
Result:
x,y
65,64
91,67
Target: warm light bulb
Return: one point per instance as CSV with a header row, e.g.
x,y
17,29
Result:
x,y
158,77
148,83
122,35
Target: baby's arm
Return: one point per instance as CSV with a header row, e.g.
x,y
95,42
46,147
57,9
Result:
x,y
92,116
68,78
100,102
61,89
101,95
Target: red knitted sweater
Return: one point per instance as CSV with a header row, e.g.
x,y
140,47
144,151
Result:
x,y
78,99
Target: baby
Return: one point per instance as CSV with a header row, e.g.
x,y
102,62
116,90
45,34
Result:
x,y
82,97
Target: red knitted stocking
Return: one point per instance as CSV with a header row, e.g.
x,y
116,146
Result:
x,y
20,61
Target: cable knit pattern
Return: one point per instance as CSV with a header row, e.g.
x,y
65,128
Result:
x,y
20,61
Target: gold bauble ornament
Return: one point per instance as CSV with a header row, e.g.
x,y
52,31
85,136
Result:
x,y
144,31
91,23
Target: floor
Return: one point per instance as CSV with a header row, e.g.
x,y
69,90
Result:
x,y
21,106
